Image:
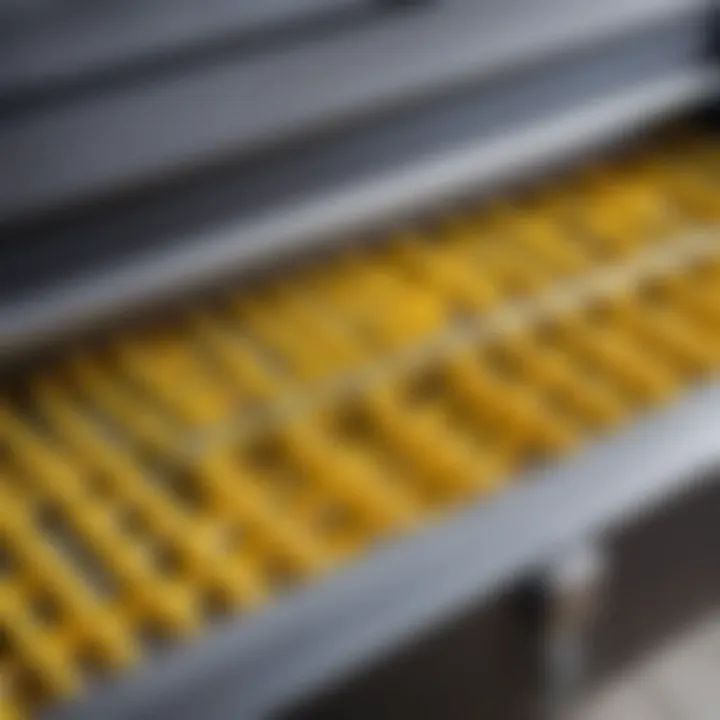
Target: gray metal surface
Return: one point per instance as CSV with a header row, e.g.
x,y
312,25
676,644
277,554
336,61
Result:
x,y
162,124
262,663
72,41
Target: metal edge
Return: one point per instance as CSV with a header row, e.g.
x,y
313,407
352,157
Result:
x,y
259,665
